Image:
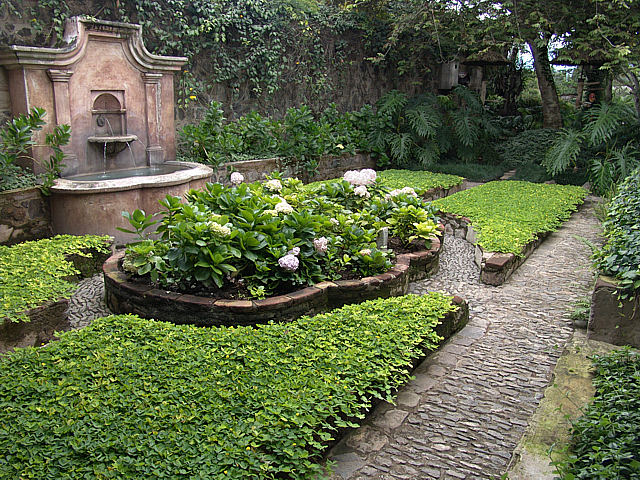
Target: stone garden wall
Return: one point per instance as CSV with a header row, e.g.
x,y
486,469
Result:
x,y
24,215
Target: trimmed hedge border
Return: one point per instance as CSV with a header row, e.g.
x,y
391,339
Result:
x,y
613,320
125,295
51,317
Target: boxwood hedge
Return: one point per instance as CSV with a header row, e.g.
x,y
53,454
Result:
x,y
34,273
134,398
507,215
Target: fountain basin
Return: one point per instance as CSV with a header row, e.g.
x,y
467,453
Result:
x,y
92,205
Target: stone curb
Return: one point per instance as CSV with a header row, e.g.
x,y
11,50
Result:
x,y
126,295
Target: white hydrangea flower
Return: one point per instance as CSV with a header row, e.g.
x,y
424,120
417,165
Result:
x,y
365,251
400,191
284,207
237,178
321,244
273,213
365,176
335,222
273,185
362,191
294,251
219,230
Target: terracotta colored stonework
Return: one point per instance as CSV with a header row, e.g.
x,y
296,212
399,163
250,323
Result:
x,y
126,295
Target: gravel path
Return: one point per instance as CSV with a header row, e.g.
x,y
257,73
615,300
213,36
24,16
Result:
x,y
470,403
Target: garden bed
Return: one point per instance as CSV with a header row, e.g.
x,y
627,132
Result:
x,y
35,286
133,398
507,221
124,294
612,319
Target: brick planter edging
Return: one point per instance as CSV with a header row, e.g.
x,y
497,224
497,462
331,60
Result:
x,y
495,267
612,320
124,295
51,317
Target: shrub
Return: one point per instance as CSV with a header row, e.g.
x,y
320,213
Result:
x,y
526,148
605,440
245,236
131,398
508,215
34,273
15,142
620,256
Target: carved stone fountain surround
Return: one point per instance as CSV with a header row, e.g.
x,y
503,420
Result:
x,y
114,94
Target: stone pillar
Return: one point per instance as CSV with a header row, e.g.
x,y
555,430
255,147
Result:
x,y
155,152
60,80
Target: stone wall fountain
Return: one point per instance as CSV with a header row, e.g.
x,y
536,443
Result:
x,y
119,100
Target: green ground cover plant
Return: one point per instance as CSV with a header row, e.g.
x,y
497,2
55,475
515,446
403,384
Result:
x,y
475,172
34,273
419,180
605,440
128,398
620,256
272,237
507,215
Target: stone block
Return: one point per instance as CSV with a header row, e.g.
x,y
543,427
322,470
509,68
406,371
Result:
x,y
612,320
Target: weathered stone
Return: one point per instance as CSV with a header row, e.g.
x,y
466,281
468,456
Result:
x,y
613,320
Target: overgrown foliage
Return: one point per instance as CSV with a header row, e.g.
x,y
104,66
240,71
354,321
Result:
x,y
270,237
300,138
129,398
37,272
16,140
426,128
605,140
620,256
509,214
605,440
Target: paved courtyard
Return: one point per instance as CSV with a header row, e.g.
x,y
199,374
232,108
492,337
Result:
x,y
470,403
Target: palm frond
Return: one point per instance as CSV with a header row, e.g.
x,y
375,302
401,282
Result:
x,y
601,175
563,152
469,97
426,155
624,160
604,120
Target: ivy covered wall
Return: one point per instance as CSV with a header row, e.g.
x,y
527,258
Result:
x,y
267,55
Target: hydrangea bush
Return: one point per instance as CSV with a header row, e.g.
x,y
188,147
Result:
x,y
274,236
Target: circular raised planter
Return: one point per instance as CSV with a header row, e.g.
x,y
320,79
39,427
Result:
x,y
124,294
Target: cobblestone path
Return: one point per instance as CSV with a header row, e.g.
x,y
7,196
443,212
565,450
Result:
x,y
470,403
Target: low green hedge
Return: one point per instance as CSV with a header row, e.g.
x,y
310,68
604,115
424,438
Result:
x,y
37,272
133,398
606,440
507,215
620,257
420,181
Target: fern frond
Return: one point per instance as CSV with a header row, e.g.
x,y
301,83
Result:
x,y
378,139
624,160
424,121
392,102
469,97
401,146
563,152
466,127
601,175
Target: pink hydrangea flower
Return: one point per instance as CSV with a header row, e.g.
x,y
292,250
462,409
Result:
x,y
237,178
321,244
289,262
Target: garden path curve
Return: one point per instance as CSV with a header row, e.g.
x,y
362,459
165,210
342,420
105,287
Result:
x,y
470,403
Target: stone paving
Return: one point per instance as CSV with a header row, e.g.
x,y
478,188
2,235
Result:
x,y
470,402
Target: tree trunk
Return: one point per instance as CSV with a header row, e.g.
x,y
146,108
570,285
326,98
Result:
x,y
551,116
